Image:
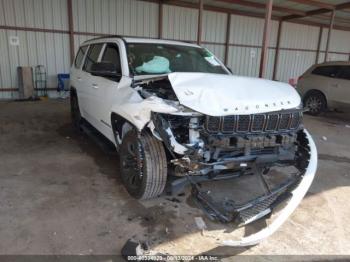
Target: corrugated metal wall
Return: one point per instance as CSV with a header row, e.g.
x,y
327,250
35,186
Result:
x,y
35,48
139,18
119,17
298,47
246,35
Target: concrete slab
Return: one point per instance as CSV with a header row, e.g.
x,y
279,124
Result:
x,y
61,194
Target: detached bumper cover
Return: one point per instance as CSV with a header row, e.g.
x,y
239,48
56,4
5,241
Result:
x,y
297,195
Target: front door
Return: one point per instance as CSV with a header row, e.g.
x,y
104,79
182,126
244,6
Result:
x,y
108,87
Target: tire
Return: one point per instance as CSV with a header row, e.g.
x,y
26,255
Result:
x,y
143,165
316,102
75,111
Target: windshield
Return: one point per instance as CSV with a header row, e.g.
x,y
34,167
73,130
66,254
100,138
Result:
x,y
150,59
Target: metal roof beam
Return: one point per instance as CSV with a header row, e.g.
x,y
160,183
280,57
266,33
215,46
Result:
x,y
314,3
317,11
262,6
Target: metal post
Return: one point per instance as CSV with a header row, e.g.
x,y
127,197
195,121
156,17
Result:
x,y
71,30
227,43
277,53
200,17
319,44
330,28
267,28
160,19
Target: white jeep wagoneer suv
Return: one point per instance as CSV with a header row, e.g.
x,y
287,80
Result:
x,y
172,109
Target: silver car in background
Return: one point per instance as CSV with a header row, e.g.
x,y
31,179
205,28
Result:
x,y
326,86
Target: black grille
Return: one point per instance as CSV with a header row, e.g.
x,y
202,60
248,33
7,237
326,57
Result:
x,y
213,124
296,118
269,122
228,124
284,121
243,123
272,122
258,123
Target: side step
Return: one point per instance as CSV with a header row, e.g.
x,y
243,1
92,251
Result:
x,y
99,139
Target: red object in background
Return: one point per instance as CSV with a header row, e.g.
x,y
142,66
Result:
x,y
293,82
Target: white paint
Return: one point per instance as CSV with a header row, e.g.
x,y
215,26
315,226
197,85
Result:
x,y
297,196
219,95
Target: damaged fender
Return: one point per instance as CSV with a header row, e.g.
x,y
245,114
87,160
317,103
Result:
x,y
137,110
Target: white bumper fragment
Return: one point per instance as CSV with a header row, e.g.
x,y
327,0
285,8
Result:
x,y
297,195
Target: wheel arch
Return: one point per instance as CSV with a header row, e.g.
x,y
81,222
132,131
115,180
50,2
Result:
x,y
117,122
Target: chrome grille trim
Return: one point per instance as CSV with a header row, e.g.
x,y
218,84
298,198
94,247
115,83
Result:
x,y
272,122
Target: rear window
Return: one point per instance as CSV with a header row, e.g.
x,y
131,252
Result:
x,y
328,71
79,58
92,56
344,73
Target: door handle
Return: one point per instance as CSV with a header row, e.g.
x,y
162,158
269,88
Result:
x,y
95,86
79,78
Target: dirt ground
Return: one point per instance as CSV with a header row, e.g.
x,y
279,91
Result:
x,y
60,193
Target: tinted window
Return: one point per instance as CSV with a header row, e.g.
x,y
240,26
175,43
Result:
x,y
80,56
111,55
92,56
344,72
329,71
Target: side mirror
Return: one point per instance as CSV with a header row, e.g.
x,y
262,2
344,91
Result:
x,y
104,69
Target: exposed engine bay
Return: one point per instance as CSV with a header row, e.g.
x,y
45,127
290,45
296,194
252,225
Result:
x,y
203,148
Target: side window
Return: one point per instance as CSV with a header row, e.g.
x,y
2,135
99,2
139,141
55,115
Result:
x,y
111,55
92,56
328,71
80,55
344,73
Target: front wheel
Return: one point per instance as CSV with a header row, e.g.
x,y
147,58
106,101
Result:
x,y
316,103
143,165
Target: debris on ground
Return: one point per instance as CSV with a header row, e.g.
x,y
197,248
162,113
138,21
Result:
x,y
132,248
174,199
324,138
347,126
200,223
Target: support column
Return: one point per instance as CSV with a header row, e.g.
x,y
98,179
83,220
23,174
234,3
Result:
x,y
200,18
330,29
160,19
227,42
277,53
319,44
266,37
71,30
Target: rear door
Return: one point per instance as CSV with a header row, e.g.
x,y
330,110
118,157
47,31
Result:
x,y
89,88
323,80
338,93
76,75
342,83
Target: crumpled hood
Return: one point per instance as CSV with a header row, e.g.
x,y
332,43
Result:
x,y
219,95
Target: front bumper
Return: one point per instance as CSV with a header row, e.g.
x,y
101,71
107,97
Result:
x,y
296,196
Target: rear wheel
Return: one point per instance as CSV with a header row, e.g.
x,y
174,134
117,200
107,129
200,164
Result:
x,y
315,102
143,165
75,111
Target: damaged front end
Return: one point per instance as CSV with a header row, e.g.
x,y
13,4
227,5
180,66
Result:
x,y
203,148
208,148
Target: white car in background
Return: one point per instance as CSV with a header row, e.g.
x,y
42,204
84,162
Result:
x,y
173,109
326,86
